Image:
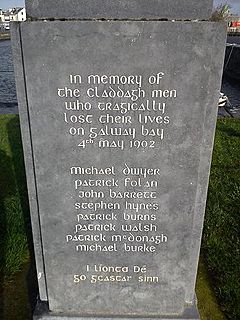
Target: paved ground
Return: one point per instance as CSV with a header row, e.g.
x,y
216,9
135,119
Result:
x,y
230,112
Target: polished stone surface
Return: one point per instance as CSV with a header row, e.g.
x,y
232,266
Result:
x,y
182,63
119,9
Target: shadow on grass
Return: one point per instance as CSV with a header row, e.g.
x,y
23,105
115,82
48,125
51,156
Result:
x,y
207,303
5,191
18,291
19,167
229,131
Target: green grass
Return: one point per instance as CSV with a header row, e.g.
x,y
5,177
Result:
x,y
13,198
221,239
207,303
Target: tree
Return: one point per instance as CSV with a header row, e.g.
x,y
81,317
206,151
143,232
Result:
x,y
221,12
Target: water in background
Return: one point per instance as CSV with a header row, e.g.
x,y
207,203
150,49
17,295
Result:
x,y
230,87
233,39
8,99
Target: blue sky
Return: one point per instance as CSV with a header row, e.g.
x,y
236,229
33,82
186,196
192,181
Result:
x,y
5,4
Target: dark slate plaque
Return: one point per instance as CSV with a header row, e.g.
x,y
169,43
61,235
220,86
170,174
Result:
x,y
119,9
120,119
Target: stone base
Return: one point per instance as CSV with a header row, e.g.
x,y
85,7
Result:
x,y
42,313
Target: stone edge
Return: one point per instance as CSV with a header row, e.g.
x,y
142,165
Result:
x,y
42,313
28,154
210,120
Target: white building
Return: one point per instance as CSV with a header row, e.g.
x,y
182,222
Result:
x,y
2,15
14,14
20,14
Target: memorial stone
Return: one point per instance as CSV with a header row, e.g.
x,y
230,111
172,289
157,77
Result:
x,y
117,119
119,9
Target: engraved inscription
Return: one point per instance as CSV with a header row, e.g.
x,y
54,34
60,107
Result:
x,y
116,209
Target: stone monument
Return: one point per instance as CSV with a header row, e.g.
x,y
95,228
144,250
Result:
x,y
118,105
